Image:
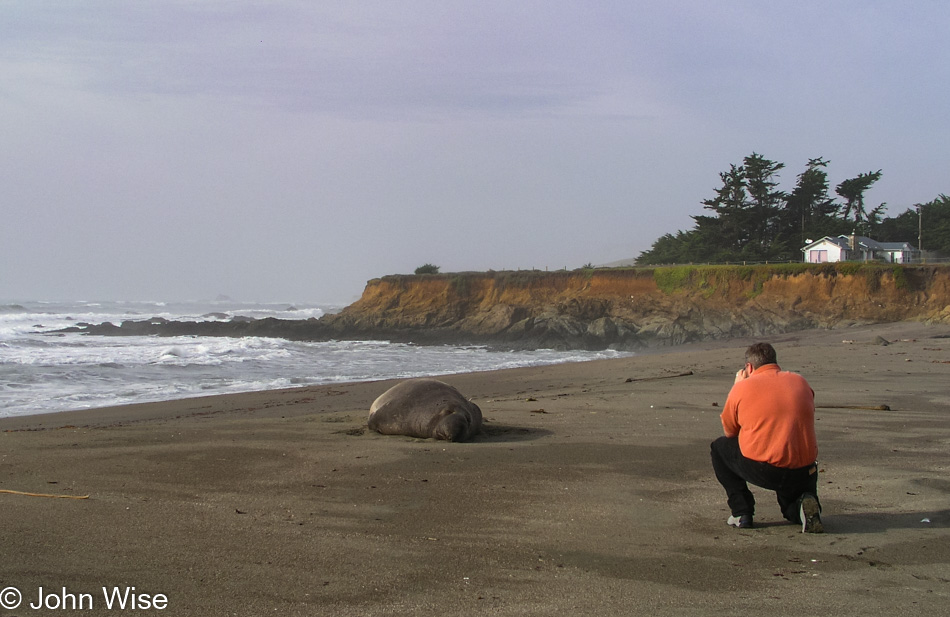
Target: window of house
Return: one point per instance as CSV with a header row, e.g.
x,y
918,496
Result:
x,y
818,256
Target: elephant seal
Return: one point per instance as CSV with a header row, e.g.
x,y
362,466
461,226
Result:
x,y
426,408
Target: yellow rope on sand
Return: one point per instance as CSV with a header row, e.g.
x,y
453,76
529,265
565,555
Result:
x,y
9,492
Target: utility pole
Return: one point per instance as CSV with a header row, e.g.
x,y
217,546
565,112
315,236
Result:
x,y
920,231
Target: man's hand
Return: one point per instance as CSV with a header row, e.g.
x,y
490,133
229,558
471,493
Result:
x,y
744,373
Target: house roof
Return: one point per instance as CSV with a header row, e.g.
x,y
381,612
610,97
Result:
x,y
862,241
896,246
841,243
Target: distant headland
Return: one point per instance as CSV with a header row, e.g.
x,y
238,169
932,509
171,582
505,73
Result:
x,y
619,308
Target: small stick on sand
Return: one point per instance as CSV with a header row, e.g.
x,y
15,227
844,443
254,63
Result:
x,y
9,492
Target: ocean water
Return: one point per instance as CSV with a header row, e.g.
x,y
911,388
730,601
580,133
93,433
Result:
x,y
42,371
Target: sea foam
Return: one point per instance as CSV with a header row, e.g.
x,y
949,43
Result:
x,y
42,371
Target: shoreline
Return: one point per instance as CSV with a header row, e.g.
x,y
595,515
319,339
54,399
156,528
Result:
x,y
589,491
182,407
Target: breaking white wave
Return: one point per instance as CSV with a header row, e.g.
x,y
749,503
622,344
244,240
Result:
x,y
42,372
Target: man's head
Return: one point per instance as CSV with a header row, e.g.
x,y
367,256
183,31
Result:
x,y
760,354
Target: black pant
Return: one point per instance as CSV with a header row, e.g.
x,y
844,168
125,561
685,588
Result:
x,y
735,471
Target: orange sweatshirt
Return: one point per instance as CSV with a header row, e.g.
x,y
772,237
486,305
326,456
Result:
x,y
773,413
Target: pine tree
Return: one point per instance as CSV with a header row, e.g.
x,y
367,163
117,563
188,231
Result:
x,y
852,190
809,201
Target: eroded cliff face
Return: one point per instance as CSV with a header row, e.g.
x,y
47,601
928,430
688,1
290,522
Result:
x,y
597,309
635,308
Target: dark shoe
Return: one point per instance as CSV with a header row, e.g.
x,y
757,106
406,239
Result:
x,y
743,521
810,514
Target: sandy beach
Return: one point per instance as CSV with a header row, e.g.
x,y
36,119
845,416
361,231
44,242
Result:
x,y
590,492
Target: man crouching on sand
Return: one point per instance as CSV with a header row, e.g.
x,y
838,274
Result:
x,y
769,424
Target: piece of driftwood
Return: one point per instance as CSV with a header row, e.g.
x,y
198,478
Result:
x,y
874,408
9,492
686,374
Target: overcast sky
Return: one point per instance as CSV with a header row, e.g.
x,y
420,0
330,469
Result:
x,y
292,150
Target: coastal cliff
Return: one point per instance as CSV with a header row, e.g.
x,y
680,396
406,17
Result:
x,y
629,308
636,308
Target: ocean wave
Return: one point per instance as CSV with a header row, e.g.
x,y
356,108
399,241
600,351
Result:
x,y
42,372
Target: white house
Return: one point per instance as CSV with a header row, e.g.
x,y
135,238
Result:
x,y
857,248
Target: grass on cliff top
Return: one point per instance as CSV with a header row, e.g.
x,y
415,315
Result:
x,y
707,279
514,278
703,279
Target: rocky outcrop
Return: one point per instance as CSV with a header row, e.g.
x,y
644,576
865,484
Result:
x,y
597,309
635,308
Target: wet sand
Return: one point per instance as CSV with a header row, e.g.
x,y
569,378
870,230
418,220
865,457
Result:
x,y
589,493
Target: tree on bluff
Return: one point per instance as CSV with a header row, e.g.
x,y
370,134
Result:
x,y
935,230
427,269
936,225
745,223
809,201
853,190
753,220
